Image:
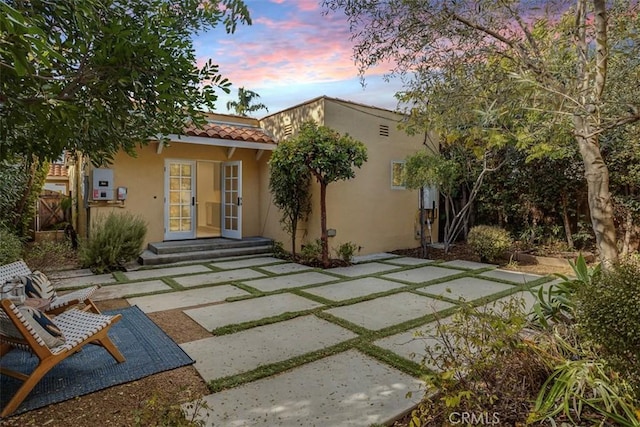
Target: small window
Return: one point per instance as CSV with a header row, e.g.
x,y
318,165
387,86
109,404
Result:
x,y
384,130
288,130
397,172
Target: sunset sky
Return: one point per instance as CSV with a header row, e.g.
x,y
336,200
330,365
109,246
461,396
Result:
x,y
292,53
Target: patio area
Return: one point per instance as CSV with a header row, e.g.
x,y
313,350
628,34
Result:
x,y
282,344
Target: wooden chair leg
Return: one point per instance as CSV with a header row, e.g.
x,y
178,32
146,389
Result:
x,y
111,348
26,387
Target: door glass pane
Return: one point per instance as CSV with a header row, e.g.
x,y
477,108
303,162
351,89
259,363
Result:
x,y
186,170
174,225
174,183
186,225
174,169
185,197
186,211
185,184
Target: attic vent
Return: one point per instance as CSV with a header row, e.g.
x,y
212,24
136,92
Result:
x,y
384,130
288,130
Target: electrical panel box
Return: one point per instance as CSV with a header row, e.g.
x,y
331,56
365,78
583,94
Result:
x,y
430,197
102,184
122,193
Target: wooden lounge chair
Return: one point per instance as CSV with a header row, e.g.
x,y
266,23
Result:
x,y
60,302
77,326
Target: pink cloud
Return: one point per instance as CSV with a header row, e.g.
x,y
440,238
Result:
x,y
289,43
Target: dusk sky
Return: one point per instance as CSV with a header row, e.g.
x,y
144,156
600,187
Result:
x,y
292,53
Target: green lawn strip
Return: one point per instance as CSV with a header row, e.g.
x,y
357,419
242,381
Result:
x,y
392,359
279,367
363,332
237,327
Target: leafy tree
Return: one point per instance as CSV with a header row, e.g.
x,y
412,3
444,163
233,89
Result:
x,y
21,182
433,169
103,75
534,45
290,187
243,106
330,157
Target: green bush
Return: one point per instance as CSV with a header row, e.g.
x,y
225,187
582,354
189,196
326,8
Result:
x,y
608,313
312,251
488,242
346,251
10,247
113,241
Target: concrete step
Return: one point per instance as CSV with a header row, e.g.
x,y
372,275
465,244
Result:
x,y
184,246
150,258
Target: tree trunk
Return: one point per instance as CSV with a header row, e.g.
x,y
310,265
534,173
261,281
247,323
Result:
x,y
599,197
323,225
566,221
294,231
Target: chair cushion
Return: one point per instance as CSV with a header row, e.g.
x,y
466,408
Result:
x,y
39,322
38,285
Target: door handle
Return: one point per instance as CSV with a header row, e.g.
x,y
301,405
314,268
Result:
x,y
239,201
193,201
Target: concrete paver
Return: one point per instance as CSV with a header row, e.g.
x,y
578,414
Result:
x,y
188,298
248,310
362,269
289,267
346,389
409,261
470,265
83,281
511,276
218,357
466,288
167,271
422,274
121,291
218,277
412,345
388,311
353,288
270,284
373,257
244,263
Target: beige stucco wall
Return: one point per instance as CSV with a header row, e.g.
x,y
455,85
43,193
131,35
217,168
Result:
x,y
143,176
364,210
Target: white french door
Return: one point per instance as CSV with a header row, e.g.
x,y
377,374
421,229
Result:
x,y
179,199
232,200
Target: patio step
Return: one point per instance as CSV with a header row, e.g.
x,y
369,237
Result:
x,y
187,250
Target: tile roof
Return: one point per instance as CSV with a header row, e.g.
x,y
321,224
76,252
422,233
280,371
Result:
x,y
57,170
232,132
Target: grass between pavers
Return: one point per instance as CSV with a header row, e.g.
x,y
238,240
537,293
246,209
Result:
x,y
365,339
279,367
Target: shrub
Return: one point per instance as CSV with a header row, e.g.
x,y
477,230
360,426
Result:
x,y
488,242
346,251
608,313
312,251
114,240
10,247
480,364
49,255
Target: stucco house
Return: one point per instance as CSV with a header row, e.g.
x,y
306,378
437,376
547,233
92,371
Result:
x,y
214,182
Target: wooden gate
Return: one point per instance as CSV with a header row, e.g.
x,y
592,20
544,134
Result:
x,y
50,210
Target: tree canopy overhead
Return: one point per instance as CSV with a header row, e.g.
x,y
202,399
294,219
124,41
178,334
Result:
x,y
560,55
104,75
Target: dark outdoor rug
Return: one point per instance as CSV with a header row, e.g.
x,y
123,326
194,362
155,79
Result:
x,y
146,348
